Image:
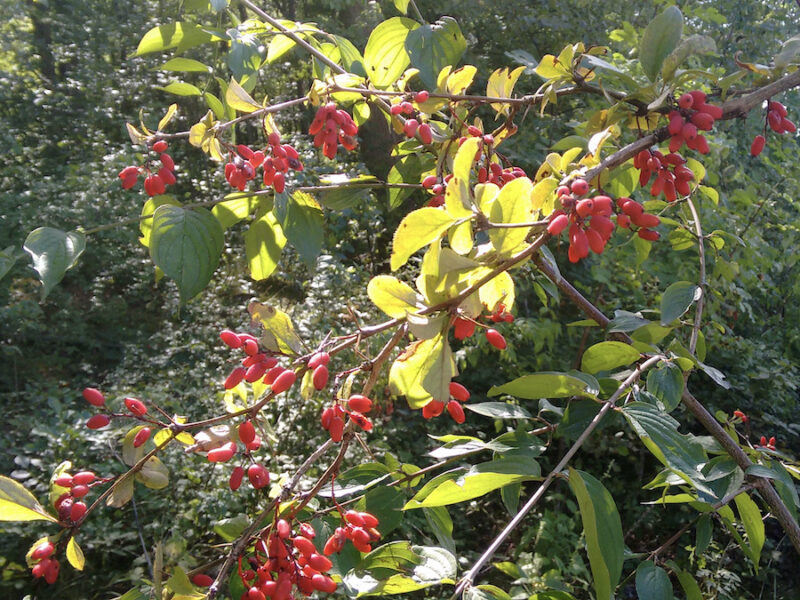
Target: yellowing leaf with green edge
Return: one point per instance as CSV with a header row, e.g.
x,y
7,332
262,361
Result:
x,y
238,98
501,85
154,474
179,35
75,554
497,290
279,334
460,236
550,68
171,112
465,158
146,222
485,195
197,132
424,364
18,504
263,244
458,81
385,55
418,229
392,296
513,205
543,195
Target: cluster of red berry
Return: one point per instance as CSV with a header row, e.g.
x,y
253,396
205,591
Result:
x,y
332,418
498,175
672,174
46,566
359,527
464,328
777,121
256,364
693,114
765,443
412,127
574,213
331,127
69,505
634,213
458,395
154,183
276,160
284,559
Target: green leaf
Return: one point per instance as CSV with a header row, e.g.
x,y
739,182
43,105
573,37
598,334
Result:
x,y
179,35
154,474
606,356
694,44
512,205
485,592
480,480
54,252
666,384
703,531
689,585
385,56
180,88
425,567
603,530
652,582
263,244
122,492
279,334
182,587
186,245
302,225
790,51
542,385
386,503
244,58
676,300
239,207
406,170
418,229
660,38
434,46
750,516
8,258
441,525
18,504
392,296
146,225
352,60
659,432
499,410
230,529
75,554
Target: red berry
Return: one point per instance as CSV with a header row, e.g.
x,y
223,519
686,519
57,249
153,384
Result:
x,y
51,571
320,358
421,97
456,411
648,234
137,407
623,221
77,511
432,409
283,382
284,529
202,580
247,432
774,120
579,187
359,403
788,126
777,107
98,422
429,181
496,339
686,101
458,391
320,563
223,453
410,128
336,429
258,476
323,583
43,550
558,224
230,338
160,146
396,109
64,480
320,377
425,134
703,121
235,378
235,480
676,122
154,185
584,207
141,437
94,397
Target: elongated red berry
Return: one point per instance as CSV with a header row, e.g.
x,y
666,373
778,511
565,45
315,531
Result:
x,y
136,406
320,358
223,453
94,397
247,432
323,583
77,511
410,128
496,339
425,134
141,437
432,409
320,563
283,382
456,411
235,378
258,476
558,224
51,572
236,477
154,185
230,338
43,550
98,422
320,377
458,391
336,429
202,580
463,328
160,146
359,403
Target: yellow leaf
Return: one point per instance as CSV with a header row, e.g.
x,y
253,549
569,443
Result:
x,y
513,205
456,198
238,98
485,195
501,85
460,80
279,334
18,504
392,296
74,552
420,372
465,158
418,229
171,112
460,236
263,243
497,290
542,196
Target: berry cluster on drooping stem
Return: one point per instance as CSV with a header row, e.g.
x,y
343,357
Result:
x,y
276,160
693,115
672,176
332,417
155,183
331,127
413,126
256,364
359,527
776,119
45,566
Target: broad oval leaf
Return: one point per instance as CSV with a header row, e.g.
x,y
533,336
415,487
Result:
x,y
185,65
186,245
652,582
181,88
689,585
279,334
18,504
418,229
75,554
666,384
385,56
480,480
392,296
660,38
750,516
423,372
603,530
421,567
179,35
263,245
154,474
542,385
54,252
499,410
676,300
512,205
433,46
606,356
